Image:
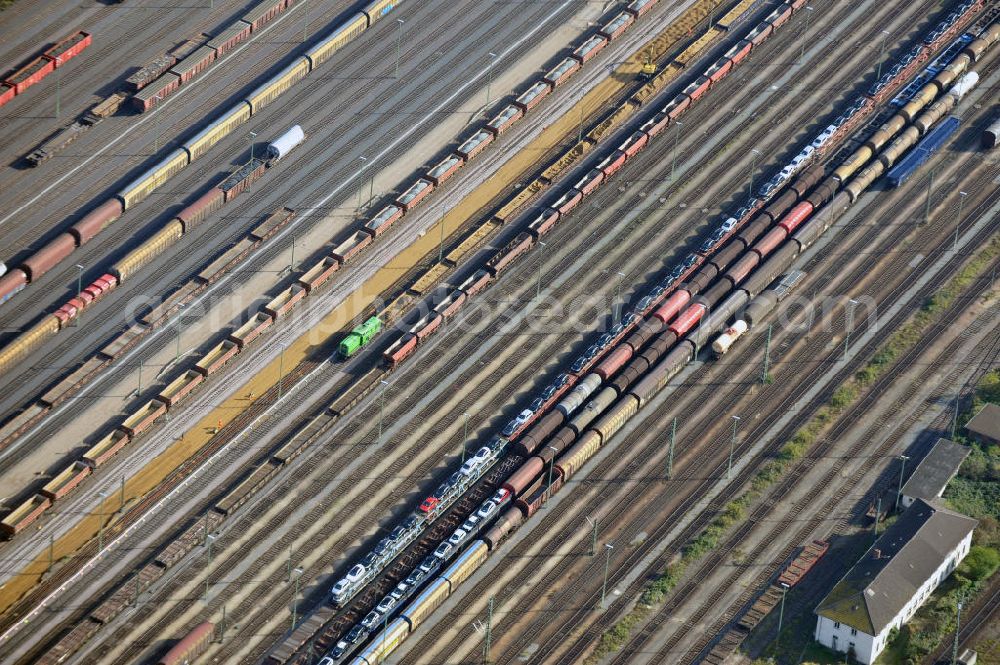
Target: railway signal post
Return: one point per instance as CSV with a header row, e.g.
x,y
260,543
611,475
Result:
x,y
767,354
593,540
489,631
753,166
670,453
899,490
732,448
607,562
381,411
295,598
958,219
399,41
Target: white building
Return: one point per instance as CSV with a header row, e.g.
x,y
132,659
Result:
x,y
895,577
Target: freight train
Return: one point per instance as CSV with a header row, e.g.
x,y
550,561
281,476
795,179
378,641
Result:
x,y
18,82
59,248
657,349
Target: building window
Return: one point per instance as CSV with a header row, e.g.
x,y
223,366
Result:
x,y
836,625
854,631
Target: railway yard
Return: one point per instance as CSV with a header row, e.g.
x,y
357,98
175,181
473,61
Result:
x,y
541,332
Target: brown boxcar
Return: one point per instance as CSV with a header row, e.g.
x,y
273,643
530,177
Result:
x,y
524,476
96,220
49,256
230,37
194,64
198,210
155,92
193,643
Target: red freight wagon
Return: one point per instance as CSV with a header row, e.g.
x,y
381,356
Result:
x,y
520,244
611,164
96,220
656,125
590,182
49,256
149,73
739,52
386,217
719,69
7,93
759,35
263,13
590,48
403,347
634,144
68,48
639,7
445,169
558,75
194,64
618,25
230,37
155,92
503,120
698,88
195,212
415,194
475,144
677,106
543,222
568,201
476,283
427,326
530,98
30,74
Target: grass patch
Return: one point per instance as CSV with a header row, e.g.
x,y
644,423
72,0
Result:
x,y
793,450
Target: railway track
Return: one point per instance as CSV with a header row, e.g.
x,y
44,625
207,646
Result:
x,y
627,472
861,246
794,523
896,287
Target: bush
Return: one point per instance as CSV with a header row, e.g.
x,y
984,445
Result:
x,y
980,564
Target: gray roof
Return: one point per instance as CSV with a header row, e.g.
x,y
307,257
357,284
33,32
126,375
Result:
x,y
874,591
935,470
986,423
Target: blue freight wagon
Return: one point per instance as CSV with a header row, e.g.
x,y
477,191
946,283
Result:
x,y
930,144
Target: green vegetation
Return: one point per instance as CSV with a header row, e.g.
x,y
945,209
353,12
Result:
x,y
975,492
795,448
